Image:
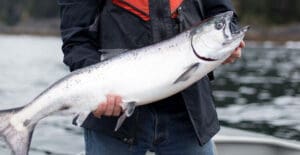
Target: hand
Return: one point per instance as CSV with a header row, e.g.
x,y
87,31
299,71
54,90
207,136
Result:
x,y
111,107
237,53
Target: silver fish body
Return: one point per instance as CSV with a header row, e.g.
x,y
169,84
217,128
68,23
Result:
x,y
140,76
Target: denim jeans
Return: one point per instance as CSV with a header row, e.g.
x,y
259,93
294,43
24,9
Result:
x,y
160,130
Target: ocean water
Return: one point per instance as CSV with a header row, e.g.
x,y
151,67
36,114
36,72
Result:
x,y
260,92
28,65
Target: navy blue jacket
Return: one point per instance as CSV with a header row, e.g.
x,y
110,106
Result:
x,y
89,27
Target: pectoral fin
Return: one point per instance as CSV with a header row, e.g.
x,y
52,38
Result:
x,y
120,121
187,74
128,111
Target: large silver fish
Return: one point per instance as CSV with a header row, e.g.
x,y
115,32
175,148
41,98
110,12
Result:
x,y
140,76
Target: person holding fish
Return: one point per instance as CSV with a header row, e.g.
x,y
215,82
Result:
x,y
96,30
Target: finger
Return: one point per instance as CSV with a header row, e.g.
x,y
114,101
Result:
x,y
117,108
237,53
243,44
231,60
227,61
100,109
110,105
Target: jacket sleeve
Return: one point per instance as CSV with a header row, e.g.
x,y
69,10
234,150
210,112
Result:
x,y
79,32
213,7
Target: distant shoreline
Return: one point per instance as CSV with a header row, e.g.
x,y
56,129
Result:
x,y
275,33
256,33
45,27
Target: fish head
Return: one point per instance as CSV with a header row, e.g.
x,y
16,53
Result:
x,y
215,39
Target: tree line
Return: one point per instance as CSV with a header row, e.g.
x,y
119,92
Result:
x,y
264,12
268,12
14,11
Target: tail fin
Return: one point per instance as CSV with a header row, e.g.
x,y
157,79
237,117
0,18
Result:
x,y
18,141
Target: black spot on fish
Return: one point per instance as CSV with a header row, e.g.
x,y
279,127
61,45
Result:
x,y
65,107
26,122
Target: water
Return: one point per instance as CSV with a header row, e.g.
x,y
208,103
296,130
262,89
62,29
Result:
x,y
28,65
261,92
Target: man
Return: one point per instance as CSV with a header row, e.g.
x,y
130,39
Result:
x,y
94,30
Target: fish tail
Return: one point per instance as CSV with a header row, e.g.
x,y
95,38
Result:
x,y
18,139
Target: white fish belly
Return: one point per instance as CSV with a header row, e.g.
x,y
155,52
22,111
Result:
x,y
141,76
148,77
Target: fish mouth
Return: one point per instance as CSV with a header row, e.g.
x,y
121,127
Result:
x,y
237,34
240,33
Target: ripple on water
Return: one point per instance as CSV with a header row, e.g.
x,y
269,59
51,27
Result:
x,y
262,90
287,100
225,94
264,95
260,80
247,90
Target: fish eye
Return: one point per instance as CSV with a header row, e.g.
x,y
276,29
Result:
x,y
219,24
